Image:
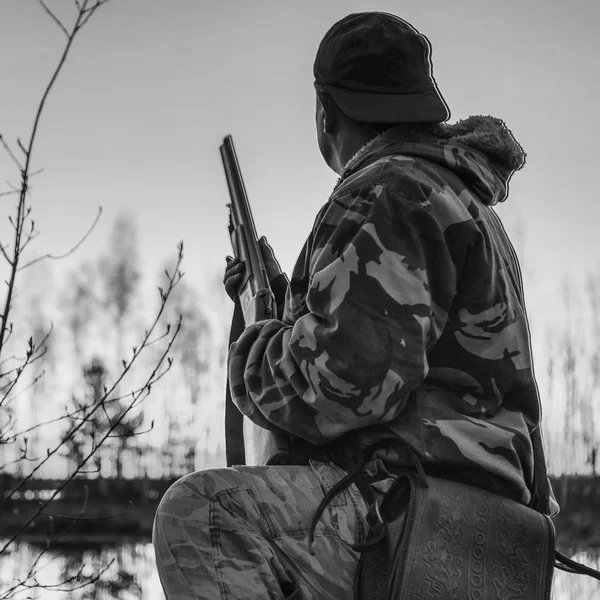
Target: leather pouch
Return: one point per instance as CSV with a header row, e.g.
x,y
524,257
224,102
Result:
x,y
450,541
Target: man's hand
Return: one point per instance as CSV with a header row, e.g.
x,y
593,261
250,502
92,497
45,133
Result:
x,y
278,281
233,276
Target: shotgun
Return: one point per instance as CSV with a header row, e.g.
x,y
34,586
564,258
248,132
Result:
x,y
246,443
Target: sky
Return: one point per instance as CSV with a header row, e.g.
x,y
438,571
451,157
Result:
x,y
153,86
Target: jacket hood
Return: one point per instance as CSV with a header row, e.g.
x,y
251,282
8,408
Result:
x,y
481,150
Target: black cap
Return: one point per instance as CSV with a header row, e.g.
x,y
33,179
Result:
x,y
377,68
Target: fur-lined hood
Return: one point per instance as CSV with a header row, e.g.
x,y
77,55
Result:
x,y
481,150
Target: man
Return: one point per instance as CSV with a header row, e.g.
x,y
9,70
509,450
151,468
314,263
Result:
x,y
403,318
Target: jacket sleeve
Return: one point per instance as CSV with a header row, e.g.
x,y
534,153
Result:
x,y
381,283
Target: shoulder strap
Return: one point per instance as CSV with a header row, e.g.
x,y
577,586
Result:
x,y
234,420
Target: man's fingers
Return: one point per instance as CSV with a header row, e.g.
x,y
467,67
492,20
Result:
x,y
234,273
239,268
233,280
235,265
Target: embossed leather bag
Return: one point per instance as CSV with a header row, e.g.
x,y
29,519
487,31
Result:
x,y
451,541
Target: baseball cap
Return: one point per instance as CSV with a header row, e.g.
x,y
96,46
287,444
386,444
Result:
x,y
377,67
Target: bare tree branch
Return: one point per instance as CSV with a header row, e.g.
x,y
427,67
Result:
x,y
9,193
150,380
30,385
12,253
8,260
90,454
54,18
10,153
94,518
88,12
69,252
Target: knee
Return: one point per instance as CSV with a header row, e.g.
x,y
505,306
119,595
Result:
x,y
189,491
186,502
182,509
189,496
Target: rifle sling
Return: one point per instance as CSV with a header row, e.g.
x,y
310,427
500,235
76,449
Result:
x,y
234,420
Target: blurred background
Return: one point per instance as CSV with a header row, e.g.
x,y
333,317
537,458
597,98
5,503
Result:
x,y
133,126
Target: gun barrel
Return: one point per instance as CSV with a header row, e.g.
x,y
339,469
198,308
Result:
x,y
237,189
255,292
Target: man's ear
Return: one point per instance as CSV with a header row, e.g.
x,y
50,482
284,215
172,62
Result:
x,y
327,113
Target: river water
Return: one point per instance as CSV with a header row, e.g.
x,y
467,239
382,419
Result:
x,y
128,573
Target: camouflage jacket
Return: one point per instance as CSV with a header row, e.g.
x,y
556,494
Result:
x,y
405,315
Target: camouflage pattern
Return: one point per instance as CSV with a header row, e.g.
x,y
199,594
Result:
x,y
242,533
405,313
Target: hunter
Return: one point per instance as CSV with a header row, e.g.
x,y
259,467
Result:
x,y
403,321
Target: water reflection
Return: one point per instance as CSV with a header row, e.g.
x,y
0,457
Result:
x,y
91,572
127,572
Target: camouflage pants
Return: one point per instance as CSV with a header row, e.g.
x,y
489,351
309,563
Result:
x,y
241,533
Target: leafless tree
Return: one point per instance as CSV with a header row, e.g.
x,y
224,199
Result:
x,y
16,363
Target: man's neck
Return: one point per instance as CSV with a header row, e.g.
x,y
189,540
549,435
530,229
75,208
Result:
x,y
349,146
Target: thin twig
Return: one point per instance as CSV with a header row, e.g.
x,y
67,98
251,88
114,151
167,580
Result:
x,y
89,455
94,518
68,253
11,384
29,386
9,193
54,18
25,169
67,415
91,10
10,152
8,259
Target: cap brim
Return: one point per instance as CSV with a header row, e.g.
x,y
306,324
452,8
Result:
x,y
391,108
